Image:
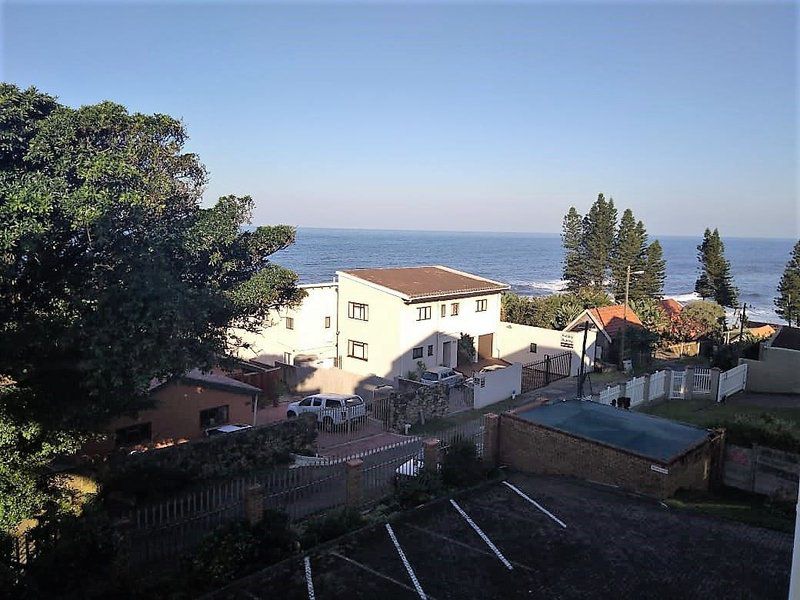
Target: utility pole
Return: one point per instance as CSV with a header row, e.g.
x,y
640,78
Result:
x,y
625,315
583,358
742,319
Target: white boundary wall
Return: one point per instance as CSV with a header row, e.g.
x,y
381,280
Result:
x,y
513,343
497,385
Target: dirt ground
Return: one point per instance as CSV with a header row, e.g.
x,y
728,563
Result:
x,y
566,539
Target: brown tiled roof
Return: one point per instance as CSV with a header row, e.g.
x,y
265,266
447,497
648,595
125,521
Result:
x,y
211,379
417,283
671,306
611,318
788,337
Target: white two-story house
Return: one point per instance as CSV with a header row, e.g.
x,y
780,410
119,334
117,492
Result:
x,y
391,319
384,321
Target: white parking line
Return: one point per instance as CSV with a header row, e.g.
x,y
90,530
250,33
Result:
x,y
309,582
484,537
536,504
407,565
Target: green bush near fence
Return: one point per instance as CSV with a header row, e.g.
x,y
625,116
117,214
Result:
x,y
330,526
764,430
461,466
154,473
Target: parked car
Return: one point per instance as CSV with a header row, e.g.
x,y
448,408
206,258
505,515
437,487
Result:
x,y
223,429
330,409
441,375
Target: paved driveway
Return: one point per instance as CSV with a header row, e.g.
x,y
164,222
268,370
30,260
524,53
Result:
x,y
539,537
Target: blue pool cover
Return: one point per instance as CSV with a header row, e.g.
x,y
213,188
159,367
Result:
x,y
652,437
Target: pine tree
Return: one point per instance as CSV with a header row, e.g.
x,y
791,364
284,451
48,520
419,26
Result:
x,y
715,280
651,284
571,237
788,301
629,251
599,229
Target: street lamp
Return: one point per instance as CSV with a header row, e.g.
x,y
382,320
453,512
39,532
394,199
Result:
x,y
625,314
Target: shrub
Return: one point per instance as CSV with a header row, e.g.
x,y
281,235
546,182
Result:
x,y
461,466
764,430
236,549
331,526
413,491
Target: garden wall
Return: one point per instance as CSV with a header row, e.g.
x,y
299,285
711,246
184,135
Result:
x,y
762,470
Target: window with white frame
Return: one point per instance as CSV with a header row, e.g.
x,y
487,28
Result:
x,y
423,313
289,323
481,305
454,309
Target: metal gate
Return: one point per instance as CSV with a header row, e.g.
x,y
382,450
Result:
x,y
544,372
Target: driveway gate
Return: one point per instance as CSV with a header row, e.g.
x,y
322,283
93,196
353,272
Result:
x,y
544,372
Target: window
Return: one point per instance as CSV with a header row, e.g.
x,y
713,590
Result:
x,y
423,313
444,310
359,312
416,352
289,323
327,322
430,349
333,403
211,417
306,401
356,350
454,309
134,435
480,305
533,347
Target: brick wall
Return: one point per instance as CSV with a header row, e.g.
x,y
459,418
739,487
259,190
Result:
x,y
532,448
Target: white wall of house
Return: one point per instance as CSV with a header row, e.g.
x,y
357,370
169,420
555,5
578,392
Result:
x,y
313,332
394,328
495,386
514,344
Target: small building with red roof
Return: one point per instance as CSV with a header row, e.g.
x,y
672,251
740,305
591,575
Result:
x,y
608,321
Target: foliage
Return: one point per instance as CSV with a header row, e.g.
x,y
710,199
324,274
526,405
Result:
x,y
715,280
235,549
629,252
651,283
551,312
726,356
413,491
111,275
574,272
787,304
651,314
330,526
461,466
597,243
466,349
708,316
639,346
764,430
150,474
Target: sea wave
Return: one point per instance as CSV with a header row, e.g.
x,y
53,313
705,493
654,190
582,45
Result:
x,y
554,285
687,297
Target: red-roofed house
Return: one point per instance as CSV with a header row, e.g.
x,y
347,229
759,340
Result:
x,y
608,321
672,307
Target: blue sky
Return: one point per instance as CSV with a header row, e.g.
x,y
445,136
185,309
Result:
x,y
490,116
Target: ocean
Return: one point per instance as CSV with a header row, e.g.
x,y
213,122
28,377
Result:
x,y
529,262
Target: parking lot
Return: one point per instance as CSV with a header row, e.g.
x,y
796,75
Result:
x,y
537,537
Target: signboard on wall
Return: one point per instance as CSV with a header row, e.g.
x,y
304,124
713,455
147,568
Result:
x,y
566,341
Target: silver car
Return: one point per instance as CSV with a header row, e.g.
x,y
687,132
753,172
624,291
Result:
x,y
330,409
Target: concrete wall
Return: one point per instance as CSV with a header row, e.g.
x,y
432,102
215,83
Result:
x,y
312,380
393,331
762,470
276,343
495,386
531,448
514,344
777,371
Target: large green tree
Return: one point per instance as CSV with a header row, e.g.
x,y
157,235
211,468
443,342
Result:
x,y
597,244
787,304
111,274
630,248
574,271
651,283
715,280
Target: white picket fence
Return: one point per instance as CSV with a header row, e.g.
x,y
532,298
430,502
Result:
x,y
702,380
678,385
634,390
658,384
732,381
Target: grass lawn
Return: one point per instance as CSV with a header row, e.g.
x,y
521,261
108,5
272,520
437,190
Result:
x,y
739,506
706,414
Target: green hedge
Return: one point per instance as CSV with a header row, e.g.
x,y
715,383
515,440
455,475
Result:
x,y
763,429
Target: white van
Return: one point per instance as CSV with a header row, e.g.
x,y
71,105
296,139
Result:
x,y
330,409
441,376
